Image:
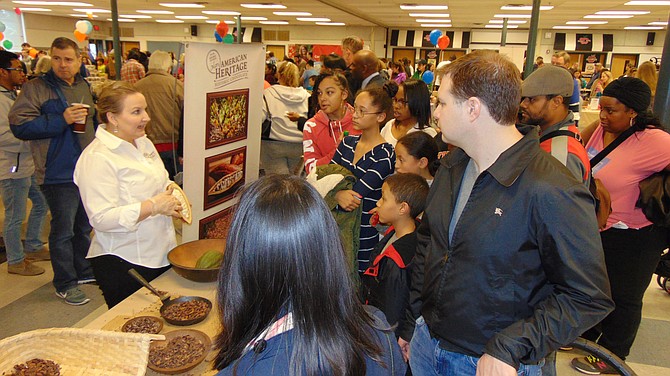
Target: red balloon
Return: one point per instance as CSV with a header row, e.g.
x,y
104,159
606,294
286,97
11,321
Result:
x,y
443,42
17,11
222,29
96,27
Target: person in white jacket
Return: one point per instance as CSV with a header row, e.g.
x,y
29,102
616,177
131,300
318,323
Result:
x,y
281,149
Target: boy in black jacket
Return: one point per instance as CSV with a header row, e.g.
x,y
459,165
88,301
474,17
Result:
x,y
385,284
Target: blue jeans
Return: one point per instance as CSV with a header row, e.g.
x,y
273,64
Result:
x,y
15,193
70,235
427,358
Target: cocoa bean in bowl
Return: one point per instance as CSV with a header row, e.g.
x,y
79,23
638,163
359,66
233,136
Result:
x,y
143,324
181,351
36,367
187,310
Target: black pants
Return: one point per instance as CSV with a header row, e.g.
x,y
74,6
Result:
x,y
631,257
111,273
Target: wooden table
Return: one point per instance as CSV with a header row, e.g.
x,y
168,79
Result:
x,y
586,117
144,303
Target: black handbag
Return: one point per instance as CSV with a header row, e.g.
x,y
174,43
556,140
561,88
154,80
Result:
x,y
654,198
267,123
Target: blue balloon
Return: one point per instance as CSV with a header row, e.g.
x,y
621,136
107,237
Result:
x,y
218,37
434,36
427,77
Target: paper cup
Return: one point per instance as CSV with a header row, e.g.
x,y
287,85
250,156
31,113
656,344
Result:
x,y
81,127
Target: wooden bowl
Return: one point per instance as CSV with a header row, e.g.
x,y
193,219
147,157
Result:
x,y
185,299
183,258
188,366
126,327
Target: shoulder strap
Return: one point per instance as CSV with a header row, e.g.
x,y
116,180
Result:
x,y
560,132
622,137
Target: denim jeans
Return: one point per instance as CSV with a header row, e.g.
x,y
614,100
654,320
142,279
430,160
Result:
x,y
427,358
70,235
15,193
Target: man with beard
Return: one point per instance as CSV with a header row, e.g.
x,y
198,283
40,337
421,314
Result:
x,y
545,98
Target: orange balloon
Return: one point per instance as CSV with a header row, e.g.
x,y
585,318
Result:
x,y
32,53
80,36
2,36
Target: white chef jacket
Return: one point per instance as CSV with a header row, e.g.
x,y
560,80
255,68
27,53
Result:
x,y
114,177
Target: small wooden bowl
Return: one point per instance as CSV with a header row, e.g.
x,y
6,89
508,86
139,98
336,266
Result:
x,y
188,366
126,327
183,258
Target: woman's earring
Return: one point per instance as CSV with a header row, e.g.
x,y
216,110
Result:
x,y
632,120
116,128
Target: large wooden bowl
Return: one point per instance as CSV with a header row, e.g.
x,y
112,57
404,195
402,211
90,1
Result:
x,y
183,259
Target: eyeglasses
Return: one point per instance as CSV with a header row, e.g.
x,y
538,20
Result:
x,y
360,113
14,69
401,102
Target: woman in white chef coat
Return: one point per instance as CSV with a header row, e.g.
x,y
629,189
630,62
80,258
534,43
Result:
x,y
123,185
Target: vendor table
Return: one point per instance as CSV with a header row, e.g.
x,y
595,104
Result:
x,y
586,117
144,303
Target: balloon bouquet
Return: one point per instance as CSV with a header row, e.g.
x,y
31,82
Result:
x,y
82,30
221,33
439,41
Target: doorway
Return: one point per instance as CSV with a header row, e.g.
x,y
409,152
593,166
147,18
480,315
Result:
x,y
402,53
621,61
279,51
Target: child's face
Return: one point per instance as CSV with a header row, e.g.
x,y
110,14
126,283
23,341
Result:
x,y
366,115
388,209
405,162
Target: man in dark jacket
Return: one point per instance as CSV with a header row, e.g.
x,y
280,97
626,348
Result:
x,y
509,265
45,113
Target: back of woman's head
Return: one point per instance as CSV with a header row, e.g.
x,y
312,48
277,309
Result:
x,y
112,97
647,73
288,74
417,97
334,62
283,254
421,145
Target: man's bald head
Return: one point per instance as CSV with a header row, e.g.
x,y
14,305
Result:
x,y
365,63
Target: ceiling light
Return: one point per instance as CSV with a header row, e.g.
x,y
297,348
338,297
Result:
x,y
273,22
423,7
216,22
253,18
519,22
511,15
428,20
170,21
659,23
77,15
134,16
155,11
122,20
62,3
221,12
35,9
263,6
525,7
429,15
330,23
496,26
293,14
643,28
586,22
313,19
623,12
606,16
435,25
647,2
92,10
563,27
192,17
181,5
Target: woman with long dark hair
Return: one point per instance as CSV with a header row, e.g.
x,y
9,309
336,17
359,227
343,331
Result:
x,y
411,112
286,299
632,244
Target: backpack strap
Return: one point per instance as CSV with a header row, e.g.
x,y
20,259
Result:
x,y
560,132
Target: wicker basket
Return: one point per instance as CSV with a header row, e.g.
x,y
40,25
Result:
x,y
80,351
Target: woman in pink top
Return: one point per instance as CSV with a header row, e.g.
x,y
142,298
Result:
x,y
632,244
325,130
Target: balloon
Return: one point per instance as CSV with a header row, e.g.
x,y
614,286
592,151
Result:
x,y
228,39
79,35
222,28
17,11
96,27
2,27
32,53
89,27
2,36
7,44
434,36
427,77
81,27
443,42
218,37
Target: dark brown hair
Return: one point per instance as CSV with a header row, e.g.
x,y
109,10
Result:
x,y
411,189
63,43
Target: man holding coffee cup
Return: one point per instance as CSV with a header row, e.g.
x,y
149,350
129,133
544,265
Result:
x,y
57,114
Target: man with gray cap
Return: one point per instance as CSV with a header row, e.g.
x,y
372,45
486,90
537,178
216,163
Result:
x,y
545,98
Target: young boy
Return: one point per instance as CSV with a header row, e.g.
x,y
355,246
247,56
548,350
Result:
x,y
385,284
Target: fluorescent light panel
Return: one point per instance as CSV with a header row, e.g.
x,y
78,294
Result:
x,y
423,7
215,22
643,28
586,22
429,15
647,2
34,9
134,16
181,5
496,26
313,19
525,7
623,12
511,15
122,20
263,6
293,14
601,16
192,17
429,20
659,23
221,12
330,23
509,22
59,3
435,25
155,11
82,15
170,21
92,10
563,27
254,18
273,22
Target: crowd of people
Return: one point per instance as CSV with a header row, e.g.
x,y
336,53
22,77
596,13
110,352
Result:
x,y
470,247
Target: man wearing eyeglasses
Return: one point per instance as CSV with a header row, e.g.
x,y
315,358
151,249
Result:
x,y
17,183
45,113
